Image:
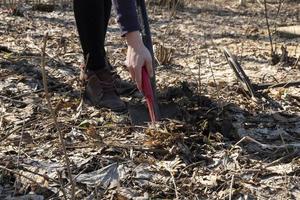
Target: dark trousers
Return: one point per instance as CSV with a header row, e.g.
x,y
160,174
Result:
x,y
92,18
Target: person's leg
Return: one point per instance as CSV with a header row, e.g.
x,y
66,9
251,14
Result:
x,y
107,12
91,19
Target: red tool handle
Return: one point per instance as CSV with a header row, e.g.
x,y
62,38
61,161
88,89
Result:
x,y
148,93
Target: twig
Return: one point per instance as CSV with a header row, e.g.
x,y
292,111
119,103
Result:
x,y
174,9
189,166
19,149
283,142
231,186
266,146
61,184
13,100
286,186
46,54
55,118
268,25
258,1
33,92
23,168
292,155
279,8
19,174
199,76
296,63
20,143
16,130
213,75
66,185
28,178
104,127
242,53
174,183
126,147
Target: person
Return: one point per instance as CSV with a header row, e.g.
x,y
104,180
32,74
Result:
x,y
92,17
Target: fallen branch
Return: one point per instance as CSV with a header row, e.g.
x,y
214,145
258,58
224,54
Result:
x,y
33,92
296,63
55,118
13,100
289,156
23,168
231,187
17,129
268,26
19,174
121,146
29,178
267,146
175,186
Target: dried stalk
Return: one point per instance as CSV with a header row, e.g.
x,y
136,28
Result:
x,y
19,150
19,174
266,146
289,156
213,75
67,161
199,76
125,147
296,63
31,179
46,177
17,129
174,184
268,25
231,187
279,7
13,100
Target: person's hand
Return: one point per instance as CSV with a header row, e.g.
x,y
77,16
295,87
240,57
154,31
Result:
x,y
137,57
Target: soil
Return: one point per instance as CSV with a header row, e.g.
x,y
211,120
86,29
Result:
x,y
215,143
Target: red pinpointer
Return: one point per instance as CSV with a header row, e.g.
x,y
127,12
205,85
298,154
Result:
x,y
148,93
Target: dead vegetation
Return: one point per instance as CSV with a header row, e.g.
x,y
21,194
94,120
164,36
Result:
x,y
220,144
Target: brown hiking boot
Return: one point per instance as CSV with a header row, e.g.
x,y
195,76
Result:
x,y
124,88
100,90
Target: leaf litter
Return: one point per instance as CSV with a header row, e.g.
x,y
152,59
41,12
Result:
x,y
222,145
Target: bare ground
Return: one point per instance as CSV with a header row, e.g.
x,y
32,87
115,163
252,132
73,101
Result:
x,y
221,144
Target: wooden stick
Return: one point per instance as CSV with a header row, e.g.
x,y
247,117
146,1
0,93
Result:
x,y
175,186
270,146
231,187
125,147
268,25
19,174
13,100
61,138
28,178
17,129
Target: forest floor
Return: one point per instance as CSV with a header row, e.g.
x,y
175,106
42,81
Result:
x,y
220,144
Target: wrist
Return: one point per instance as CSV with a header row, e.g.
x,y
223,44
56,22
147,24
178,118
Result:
x,y
134,39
